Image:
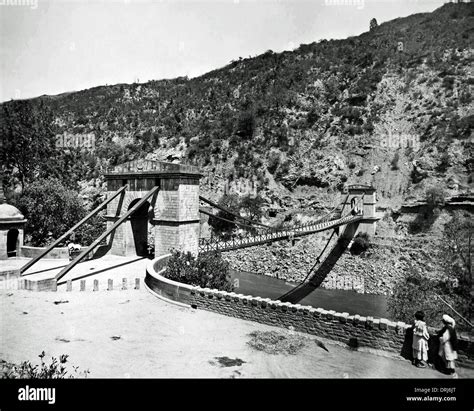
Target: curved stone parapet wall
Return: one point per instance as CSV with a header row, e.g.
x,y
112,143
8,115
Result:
x,y
354,330
165,288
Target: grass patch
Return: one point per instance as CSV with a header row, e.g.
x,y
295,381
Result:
x,y
273,342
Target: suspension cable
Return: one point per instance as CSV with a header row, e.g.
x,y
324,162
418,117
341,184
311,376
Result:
x,y
225,219
211,203
318,259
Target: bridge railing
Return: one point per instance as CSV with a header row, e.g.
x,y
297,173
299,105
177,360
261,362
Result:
x,y
234,243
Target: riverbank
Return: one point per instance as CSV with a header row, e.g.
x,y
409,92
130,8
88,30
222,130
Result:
x,y
375,271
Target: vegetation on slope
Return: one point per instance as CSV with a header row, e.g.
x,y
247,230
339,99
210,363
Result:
x,y
313,116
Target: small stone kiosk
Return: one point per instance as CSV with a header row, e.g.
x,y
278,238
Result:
x,y
12,224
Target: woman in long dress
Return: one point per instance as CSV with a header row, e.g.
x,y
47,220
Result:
x,y
448,344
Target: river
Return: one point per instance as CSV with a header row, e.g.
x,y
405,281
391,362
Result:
x,y
338,300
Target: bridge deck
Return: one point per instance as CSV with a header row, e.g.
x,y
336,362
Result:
x,y
238,243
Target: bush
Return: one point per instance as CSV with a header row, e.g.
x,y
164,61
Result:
x,y
252,206
88,232
412,293
312,117
361,243
273,161
434,198
394,163
55,370
50,208
223,228
207,270
373,24
416,292
246,124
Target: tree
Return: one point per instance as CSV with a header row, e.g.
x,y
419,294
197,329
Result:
x,y
223,228
273,161
434,198
89,231
361,243
27,140
252,207
246,124
457,247
50,208
394,163
207,270
373,24
413,292
416,291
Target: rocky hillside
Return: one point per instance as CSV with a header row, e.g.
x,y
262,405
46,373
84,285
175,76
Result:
x,y
391,107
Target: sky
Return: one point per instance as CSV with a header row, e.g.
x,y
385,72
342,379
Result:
x,y
51,47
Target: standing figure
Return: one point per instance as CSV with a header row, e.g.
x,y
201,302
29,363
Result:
x,y
448,345
420,340
354,206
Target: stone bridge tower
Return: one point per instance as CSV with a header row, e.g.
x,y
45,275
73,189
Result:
x,y
369,223
171,216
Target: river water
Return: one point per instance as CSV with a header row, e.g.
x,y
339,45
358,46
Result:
x,y
338,300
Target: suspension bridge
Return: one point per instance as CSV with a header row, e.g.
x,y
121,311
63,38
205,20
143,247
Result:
x,y
165,196
331,220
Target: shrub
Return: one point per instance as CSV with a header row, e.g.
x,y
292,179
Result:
x,y
448,82
207,270
412,293
434,197
273,161
373,24
415,291
361,243
246,124
89,231
220,227
394,162
312,117
252,206
55,370
50,208
283,170
444,163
